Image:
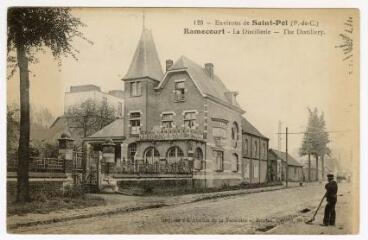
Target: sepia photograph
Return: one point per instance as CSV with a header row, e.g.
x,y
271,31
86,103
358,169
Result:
x,y
134,120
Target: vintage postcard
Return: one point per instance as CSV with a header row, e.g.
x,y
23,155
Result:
x,y
183,121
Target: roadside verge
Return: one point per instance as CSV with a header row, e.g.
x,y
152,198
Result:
x,y
128,204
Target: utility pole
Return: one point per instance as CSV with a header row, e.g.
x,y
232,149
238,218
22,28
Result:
x,y
279,137
286,157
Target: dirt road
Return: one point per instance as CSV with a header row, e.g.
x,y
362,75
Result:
x,y
275,212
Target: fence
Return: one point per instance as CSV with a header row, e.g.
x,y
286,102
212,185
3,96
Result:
x,y
43,164
39,164
78,158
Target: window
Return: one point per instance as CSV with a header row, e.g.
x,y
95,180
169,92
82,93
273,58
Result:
x,y
235,135
135,123
135,89
219,160
198,154
219,135
219,131
132,149
167,120
189,119
179,91
255,149
198,159
246,169
264,150
255,169
235,163
151,155
174,154
245,146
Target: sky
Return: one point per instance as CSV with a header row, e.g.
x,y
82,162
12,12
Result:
x,y
277,76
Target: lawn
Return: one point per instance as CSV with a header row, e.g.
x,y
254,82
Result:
x,y
44,203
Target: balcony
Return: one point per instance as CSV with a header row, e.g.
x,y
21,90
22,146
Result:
x,y
172,134
135,130
154,168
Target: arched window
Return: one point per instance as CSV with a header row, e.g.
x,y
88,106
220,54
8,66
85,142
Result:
x,y
151,155
235,134
174,154
198,154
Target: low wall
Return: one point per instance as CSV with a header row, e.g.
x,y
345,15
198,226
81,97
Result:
x,y
48,183
35,187
156,185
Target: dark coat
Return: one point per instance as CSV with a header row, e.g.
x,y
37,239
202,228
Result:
x,y
331,191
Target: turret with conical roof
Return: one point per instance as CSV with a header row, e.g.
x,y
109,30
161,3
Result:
x,y
145,62
143,75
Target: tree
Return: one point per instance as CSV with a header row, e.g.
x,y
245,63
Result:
x,y
323,140
41,116
90,116
315,140
307,143
31,30
13,131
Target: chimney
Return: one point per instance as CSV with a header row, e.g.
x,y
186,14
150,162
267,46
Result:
x,y
169,63
209,69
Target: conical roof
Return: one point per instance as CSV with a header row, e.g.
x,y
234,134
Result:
x,y
145,61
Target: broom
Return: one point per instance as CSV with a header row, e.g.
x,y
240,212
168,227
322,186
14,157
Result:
x,y
315,213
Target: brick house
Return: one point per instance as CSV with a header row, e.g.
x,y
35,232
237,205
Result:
x,y
186,117
254,153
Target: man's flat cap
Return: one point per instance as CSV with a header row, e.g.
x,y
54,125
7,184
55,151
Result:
x,y
330,175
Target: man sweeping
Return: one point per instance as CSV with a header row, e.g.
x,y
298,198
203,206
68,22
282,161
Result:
x,y
331,197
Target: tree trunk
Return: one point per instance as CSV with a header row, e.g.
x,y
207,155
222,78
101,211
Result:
x,y
309,168
23,148
317,175
323,166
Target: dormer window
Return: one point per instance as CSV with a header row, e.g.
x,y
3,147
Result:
x,y
231,97
135,89
179,91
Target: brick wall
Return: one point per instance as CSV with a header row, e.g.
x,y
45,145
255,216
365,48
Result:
x,y
153,103
166,102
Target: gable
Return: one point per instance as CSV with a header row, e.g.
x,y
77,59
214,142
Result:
x,y
178,76
211,87
192,92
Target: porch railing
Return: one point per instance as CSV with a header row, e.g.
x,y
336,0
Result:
x,y
155,168
171,134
